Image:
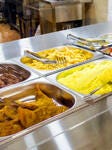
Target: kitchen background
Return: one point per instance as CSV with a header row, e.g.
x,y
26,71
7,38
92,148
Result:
x,y
95,11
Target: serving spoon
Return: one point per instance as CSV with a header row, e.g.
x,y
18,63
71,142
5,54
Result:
x,y
88,97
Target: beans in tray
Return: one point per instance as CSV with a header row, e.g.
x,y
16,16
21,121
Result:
x,y
11,74
71,54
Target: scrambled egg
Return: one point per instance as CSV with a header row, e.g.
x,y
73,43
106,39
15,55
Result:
x,y
88,77
72,55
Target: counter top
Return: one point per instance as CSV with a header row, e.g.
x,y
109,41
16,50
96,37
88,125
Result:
x,y
63,2
10,50
87,128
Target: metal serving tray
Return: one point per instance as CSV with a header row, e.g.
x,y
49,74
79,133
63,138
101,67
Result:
x,y
59,95
96,55
87,44
54,76
107,50
12,74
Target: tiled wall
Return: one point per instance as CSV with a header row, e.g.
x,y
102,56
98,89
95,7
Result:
x,y
97,11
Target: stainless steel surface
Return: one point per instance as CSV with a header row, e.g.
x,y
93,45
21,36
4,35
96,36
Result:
x,y
87,128
53,13
59,2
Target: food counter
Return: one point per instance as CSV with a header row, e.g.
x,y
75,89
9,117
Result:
x,y
82,126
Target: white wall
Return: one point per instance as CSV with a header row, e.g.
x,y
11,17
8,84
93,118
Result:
x,y
109,10
97,11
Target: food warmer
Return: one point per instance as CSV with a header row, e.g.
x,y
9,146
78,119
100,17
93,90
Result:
x,y
74,123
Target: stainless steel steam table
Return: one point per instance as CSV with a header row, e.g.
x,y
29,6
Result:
x,y
89,128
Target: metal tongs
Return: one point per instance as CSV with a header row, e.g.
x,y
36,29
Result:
x,y
92,44
38,57
84,40
87,42
88,97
